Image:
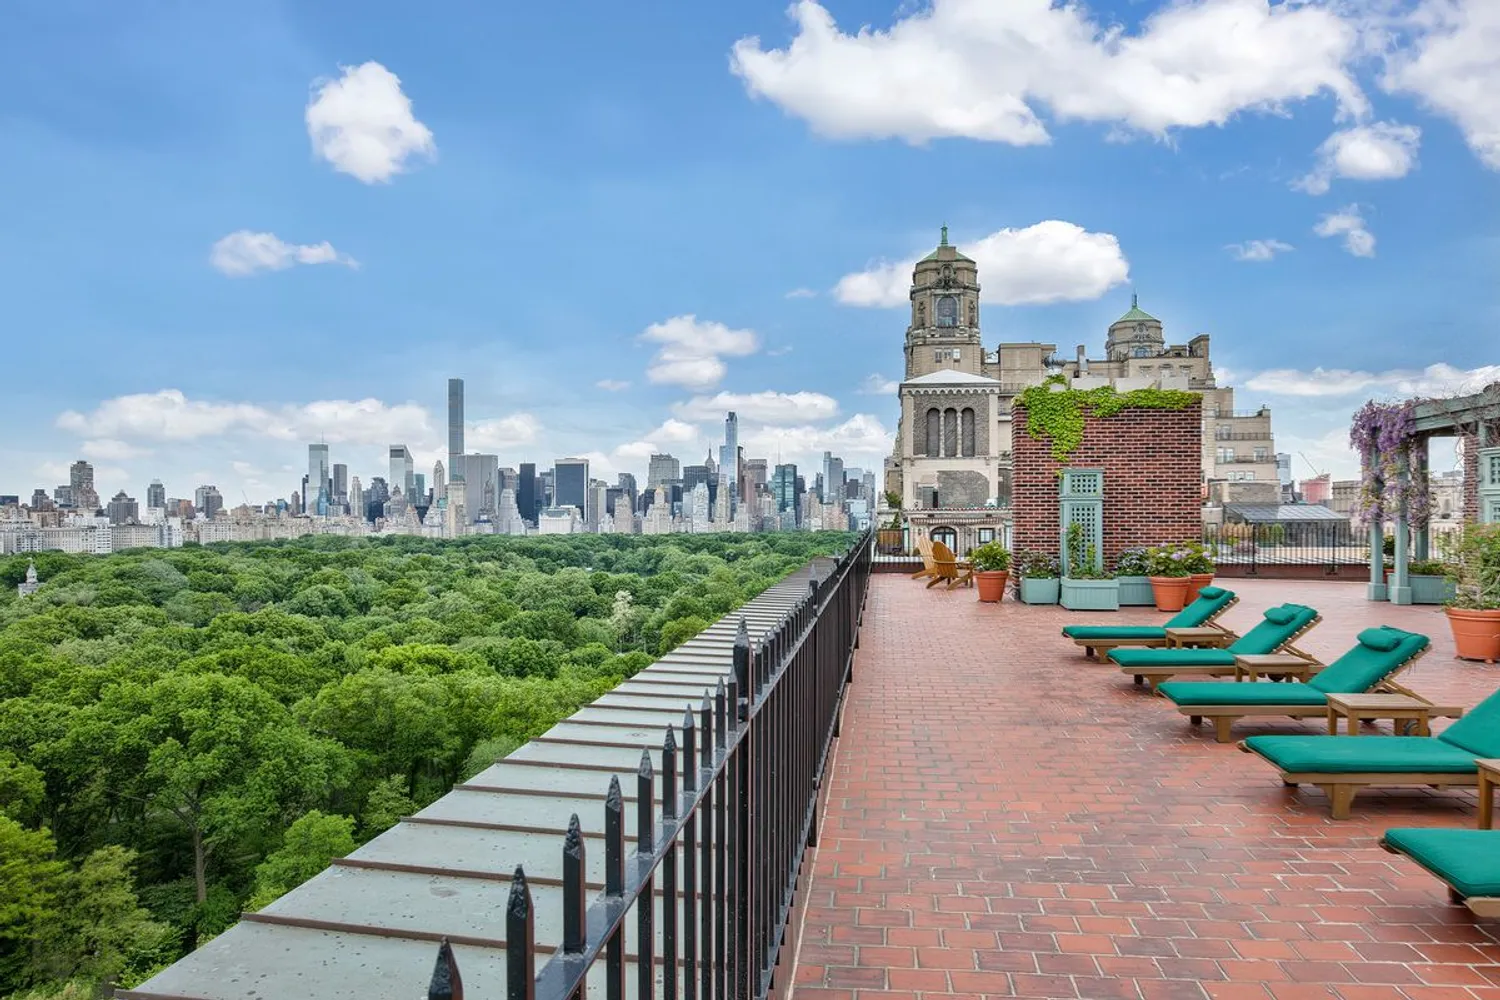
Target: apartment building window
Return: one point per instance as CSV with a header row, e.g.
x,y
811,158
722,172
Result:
x,y
946,354
1224,432
1260,455
1226,454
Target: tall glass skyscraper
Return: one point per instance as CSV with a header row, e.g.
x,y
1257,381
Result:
x,y
526,492
456,428
729,452
319,476
570,483
403,472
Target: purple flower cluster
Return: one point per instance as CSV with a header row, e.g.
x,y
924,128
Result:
x,y
1384,435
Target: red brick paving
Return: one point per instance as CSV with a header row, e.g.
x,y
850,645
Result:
x,y
1007,819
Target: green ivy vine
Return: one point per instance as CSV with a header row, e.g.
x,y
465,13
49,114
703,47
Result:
x,y
1060,415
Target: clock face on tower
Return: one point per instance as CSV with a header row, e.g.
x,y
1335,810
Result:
x,y
947,311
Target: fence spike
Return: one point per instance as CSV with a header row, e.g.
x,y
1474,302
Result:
x,y
520,940
575,903
645,819
689,751
614,838
669,774
446,983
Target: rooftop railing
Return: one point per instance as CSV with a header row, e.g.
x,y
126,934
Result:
x,y
719,862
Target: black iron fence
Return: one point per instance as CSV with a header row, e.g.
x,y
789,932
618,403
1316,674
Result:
x,y
1330,544
739,785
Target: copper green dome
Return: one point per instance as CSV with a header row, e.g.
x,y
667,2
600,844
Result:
x,y
942,245
1137,314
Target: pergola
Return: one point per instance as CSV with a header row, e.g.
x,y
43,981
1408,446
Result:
x,y
1476,418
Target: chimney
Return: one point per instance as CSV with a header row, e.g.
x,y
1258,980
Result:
x,y
1083,361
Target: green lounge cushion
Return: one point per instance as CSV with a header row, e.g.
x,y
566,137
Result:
x,y
1275,630
1211,600
1468,860
1378,654
1172,657
1382,639
1280,615
1251,695
1106,632
1479,730
1363,754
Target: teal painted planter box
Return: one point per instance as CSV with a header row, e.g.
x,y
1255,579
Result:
x,y
1135,591
1432,589
1040,591
1091,595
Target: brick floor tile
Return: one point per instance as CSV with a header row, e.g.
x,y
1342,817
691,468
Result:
x,y
1007,819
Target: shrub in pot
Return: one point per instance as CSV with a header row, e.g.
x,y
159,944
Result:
x,y
1431,581
991,563
1474,611
1170,577
1036,575
1201,568
1133,570
1084,587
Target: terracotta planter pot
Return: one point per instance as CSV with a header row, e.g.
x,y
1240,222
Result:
x,y
1170,592
1476,634
991,585
1196,583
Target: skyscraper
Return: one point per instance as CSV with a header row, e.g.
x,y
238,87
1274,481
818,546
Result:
x,y
784,488
156,494
341,483
455,427
319,476
526,495
402,470
833,478
662,469
729,452
570,482
81,479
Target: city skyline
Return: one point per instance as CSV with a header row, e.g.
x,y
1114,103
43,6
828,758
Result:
x,y
328,275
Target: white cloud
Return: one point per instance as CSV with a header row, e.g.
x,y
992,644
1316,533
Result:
x,y
1434,380
777,352
761,407
244,252
363,125
674,432
1051,261
691,352
612,384
802,293
1258,251
982,69
634,452
502,432
111,450
878,385
1453,66
1350,224
1378,152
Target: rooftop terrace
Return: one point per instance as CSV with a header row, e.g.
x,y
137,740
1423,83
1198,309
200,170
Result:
x,y
1006,818
1000,817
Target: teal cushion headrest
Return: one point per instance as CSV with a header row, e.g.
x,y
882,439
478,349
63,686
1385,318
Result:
x,y
1382,640
1212,593
1280,616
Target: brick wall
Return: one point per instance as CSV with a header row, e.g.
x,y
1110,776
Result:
x,y
1471,477
1153,467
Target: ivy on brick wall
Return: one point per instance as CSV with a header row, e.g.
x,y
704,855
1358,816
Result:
x,y
1060,414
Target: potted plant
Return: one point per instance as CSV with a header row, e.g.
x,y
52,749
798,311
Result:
x,y
1133,570
1474,611
1201,567
1036,577
1085,586
991,563
1431,581
1170,576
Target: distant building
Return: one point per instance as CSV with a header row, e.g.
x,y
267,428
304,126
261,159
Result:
x,y
558,521
403,473
526,492
1318,489
156,496
30,585
123,509
570,481
207,501
662,469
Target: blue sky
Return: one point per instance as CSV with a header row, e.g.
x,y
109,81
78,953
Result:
x,y
233,229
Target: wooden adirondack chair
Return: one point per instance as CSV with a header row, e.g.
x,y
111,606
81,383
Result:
x,y
947,567
924,549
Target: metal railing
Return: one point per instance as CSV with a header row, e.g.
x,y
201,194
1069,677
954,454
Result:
x,y
739,797
1330,544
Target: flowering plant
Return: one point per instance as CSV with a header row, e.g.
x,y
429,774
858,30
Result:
x,y
992,557
1384,435
1199,558
1134,562
1478,569
1033,565
1171,560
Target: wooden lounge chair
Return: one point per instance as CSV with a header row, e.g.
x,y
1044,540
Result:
x,y
948,567
1277,632
1342,765
1466,861
1372,665
1097,640
924,549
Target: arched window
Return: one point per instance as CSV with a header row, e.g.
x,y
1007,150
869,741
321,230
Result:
x,y
947,311
950,432
966,432
934,433
946,535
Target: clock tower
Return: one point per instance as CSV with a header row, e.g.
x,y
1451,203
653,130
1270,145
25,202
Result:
x,y
944,329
